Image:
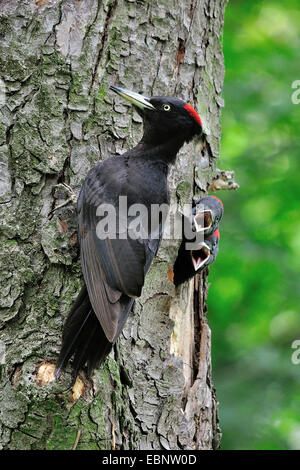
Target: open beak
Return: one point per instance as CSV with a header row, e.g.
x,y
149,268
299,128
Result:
x,y
200,257
138,100
203,220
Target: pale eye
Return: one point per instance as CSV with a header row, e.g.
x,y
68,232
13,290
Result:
x,y
166,107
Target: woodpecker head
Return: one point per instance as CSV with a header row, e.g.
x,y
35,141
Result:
x,y
164,117
207,214
206,253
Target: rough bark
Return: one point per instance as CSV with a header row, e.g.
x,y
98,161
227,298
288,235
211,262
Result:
x,y
57,61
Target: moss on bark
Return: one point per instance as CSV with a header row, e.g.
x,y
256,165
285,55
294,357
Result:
x,y
57,60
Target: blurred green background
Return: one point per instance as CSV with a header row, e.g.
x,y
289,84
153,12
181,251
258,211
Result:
x,y
254,299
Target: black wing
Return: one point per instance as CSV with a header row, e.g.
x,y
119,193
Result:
x,y
114,269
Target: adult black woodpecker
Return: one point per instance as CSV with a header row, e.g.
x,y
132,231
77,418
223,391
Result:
x,y
114,269
206,216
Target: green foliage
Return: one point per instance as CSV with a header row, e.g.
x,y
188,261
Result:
x,y
254,297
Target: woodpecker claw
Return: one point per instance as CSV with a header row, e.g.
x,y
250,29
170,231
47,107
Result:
x,y
57,373
72,199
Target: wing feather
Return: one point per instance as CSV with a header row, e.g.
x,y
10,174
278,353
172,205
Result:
x,y
114,269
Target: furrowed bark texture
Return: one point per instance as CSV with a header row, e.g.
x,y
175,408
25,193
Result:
x,y
57,61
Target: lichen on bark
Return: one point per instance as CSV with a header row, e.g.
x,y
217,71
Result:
x,y
57,61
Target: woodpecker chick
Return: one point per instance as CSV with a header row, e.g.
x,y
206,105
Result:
x,y
206,216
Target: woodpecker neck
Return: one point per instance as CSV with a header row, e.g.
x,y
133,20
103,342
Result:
x,y
165,151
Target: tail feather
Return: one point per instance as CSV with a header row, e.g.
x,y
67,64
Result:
x,y
83,337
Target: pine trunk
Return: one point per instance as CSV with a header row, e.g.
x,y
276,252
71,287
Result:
x,y
58,118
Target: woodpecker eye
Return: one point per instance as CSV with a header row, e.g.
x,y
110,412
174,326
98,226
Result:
x,y
166,107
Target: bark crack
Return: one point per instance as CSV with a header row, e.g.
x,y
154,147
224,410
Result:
x,y
110,14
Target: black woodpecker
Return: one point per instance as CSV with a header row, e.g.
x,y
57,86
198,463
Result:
x,y
206,216
114,269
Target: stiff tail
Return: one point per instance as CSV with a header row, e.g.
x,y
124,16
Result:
x,y
83,337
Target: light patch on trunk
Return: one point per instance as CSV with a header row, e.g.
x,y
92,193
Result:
x,y
45,373
77,389
182,339
40,3
170,274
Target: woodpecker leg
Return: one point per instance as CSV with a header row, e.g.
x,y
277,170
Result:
x,y
72,199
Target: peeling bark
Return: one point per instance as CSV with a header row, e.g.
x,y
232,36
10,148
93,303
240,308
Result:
x,y
57,61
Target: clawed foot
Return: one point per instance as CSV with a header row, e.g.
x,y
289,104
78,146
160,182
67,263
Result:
x,y
72,199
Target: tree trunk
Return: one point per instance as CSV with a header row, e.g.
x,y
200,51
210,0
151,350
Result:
x,y
58,118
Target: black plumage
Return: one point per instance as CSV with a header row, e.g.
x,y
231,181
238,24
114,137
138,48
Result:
x,y
114,269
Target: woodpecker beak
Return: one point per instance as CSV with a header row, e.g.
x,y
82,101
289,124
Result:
x,y
200,257
203,220
138,100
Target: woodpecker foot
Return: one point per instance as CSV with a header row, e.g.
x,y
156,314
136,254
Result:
x,y
72,199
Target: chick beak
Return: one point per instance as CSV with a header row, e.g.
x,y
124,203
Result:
x,y
203,220
200,257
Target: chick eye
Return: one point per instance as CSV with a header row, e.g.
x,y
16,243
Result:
x,y
166,107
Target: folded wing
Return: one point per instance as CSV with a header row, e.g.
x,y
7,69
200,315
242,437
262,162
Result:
x,y
114,269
